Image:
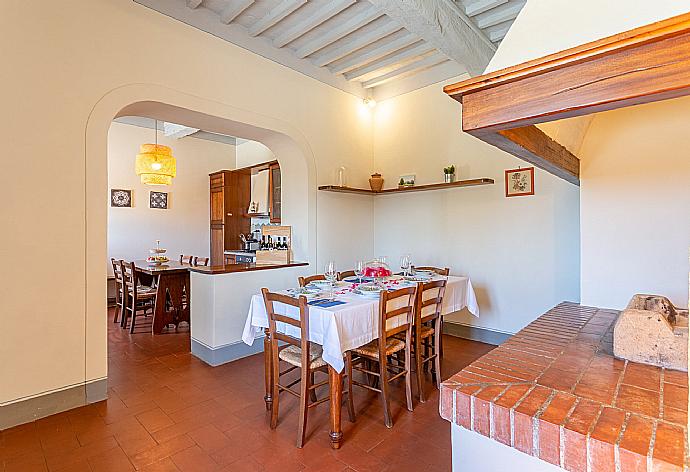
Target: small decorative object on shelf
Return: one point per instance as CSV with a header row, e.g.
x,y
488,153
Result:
x,y
342,177
449,174
376,182
520,182
407,180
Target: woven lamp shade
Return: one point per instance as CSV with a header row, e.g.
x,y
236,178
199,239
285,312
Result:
x,y
155,164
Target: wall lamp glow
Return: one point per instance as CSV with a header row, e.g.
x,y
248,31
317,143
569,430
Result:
x,y
370,102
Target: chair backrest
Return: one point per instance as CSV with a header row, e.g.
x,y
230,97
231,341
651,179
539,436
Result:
x,y
129,279
443,272
203,261
386,313
307,280
422,302
117,270
302,323
345,274
186,259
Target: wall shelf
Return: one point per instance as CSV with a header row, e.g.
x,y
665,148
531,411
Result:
x,y
414,188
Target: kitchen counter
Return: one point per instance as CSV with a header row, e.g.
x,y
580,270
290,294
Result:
x,y
554,391
232,268
221,296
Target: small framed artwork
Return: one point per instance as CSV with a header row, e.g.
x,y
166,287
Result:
x,y
159,200
407,180
520,182
120,198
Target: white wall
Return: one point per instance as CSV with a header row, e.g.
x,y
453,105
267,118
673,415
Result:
x,y
547,26
67,58
521,253
635,204
250,153
184,227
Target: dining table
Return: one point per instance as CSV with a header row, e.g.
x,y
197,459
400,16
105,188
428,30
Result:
x,y
173,293
352,323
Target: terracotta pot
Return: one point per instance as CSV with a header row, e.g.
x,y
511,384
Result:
x,y
376,182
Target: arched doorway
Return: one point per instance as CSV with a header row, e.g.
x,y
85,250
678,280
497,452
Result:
x,y
287,143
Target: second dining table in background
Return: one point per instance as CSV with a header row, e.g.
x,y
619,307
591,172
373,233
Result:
x,y
341,328
172,292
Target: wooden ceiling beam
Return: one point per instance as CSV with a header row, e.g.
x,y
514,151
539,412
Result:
x,y
233,10
303,27
643,65
275,16
338,32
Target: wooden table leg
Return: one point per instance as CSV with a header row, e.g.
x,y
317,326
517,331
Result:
x,y
170,289
335,380
268,369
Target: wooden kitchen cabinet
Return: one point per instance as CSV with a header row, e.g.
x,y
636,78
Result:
x,y
229,197
274,192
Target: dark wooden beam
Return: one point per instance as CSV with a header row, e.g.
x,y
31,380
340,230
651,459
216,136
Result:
x,y
534,146
643,65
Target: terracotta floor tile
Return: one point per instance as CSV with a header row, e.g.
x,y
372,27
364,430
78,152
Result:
x,y
163,465
154,420
194,459
168,411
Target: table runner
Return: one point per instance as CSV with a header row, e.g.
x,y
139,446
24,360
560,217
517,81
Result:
x,y
345,327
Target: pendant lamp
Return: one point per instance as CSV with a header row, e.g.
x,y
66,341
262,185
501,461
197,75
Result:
x,y
155,163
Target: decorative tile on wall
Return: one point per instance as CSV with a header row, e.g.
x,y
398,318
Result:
x,y
159,200
120,198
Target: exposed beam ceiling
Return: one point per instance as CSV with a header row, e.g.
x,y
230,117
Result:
x,y
358,45
446,26
233,10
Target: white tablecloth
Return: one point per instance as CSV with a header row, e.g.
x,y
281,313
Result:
x,y
355,323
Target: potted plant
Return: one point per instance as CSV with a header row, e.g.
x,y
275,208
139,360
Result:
x,y
449,174
401,183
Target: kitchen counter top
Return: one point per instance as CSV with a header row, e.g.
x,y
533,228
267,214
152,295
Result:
x,y
555,391
232,268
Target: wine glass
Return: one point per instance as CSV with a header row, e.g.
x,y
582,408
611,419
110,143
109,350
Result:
x,y
331,275
359,270
405,263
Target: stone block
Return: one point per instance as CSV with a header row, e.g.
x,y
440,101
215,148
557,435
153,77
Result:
x,y
652,331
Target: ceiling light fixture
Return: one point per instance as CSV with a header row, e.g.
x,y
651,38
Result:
x,y
370,102
155,163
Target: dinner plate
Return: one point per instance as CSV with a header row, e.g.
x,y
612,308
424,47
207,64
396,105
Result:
x,y
356,280
417,278
367,294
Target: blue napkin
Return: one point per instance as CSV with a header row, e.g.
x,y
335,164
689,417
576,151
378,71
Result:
x,y
322,304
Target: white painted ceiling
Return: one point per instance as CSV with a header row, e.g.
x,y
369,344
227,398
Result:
x,y
378,48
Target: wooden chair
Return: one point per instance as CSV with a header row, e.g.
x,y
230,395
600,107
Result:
x,y
346,274
138,297
307,280
379,350
428,326
186,259
119,292
200,261
442,272
300,354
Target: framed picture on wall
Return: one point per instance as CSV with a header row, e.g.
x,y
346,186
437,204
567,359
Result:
x,y
520,182
158,200
120,198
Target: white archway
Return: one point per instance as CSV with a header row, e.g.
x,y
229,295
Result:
x,y
286,142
